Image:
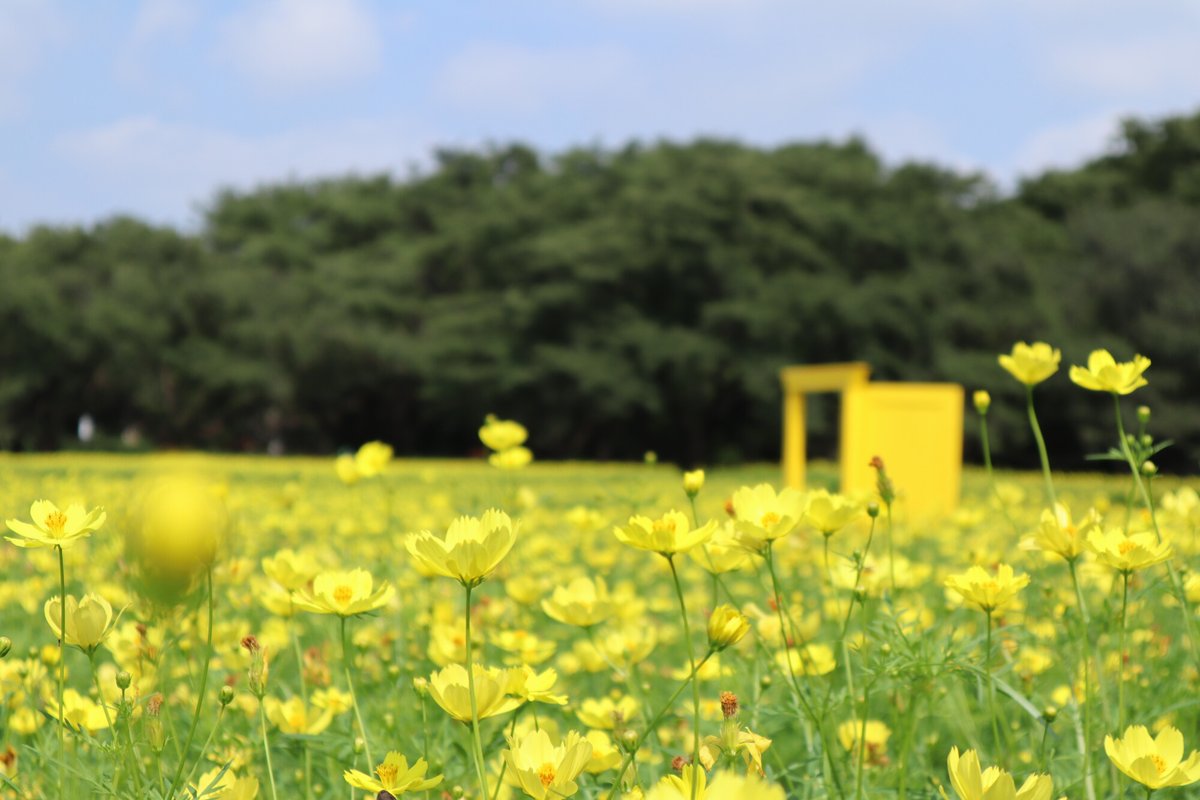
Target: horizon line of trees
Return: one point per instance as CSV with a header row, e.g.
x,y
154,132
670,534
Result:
x,y
615,301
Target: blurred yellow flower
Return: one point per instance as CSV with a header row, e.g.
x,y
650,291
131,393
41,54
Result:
x,y
534,687
372,458
511,458
1031,363
762,516
726,627
693,482
811,659
345,594
1056,533
1128,552
1104,374
669,534
543,769
583,602
605,714
225,785
448,687
394,776
293,716
970,783
1155,763
723,552
829,513
502,434
472,549
851,735
81,712
89,620
346,469
54,528
990,592
290,569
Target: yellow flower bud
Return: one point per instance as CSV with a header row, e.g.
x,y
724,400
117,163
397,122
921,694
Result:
x,y
693,482
726,627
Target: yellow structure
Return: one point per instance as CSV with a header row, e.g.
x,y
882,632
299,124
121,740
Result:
x,y
916,428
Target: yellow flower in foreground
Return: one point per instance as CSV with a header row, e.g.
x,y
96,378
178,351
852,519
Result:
x,y
344,593
54,528
1104,374
88,620
1128,552
726,627
993,783
395,776
372,458
472,549
979,587
292,716
543,769
502,434
583,602
448,687
1154,763
762,516
1031,363
669,534
1057,533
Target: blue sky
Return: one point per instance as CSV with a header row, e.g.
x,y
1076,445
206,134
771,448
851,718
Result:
x,y
149,107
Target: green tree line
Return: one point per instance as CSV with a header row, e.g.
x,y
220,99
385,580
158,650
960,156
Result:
x,y
614,300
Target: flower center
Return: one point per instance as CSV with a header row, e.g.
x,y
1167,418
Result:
x,y
1126,547
342,594
664,526
56,521
991,587
1159,765
770,518
546,773
297,719
386,773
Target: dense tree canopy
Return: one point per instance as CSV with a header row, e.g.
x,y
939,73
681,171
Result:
x,y
616,301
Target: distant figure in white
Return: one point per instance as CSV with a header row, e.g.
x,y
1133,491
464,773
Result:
x,y
86,428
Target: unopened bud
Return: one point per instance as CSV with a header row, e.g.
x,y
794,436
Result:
x,y
765,681
421,685
124,679
872,509
628,740
1143,414
983,401
1050,713
359,745
5,646
1147,440
726,627
155,734
693,482
677,764
1149,469
729,705
225,697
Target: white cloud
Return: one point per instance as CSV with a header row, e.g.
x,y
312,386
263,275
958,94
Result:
x,y
160,170
29,29
1130,67
521,79
300,44
1066,145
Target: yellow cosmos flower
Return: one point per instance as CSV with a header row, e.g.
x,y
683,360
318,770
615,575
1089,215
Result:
x,y
604,714
970,783
332,699
812,659
693,482
605,755
512,458
726,627
583,602
226,785
1056,533
88,620
1128,552
502,434
543,769
851,735
372,458
669,534
1104,374
690,782
346,469
394,776
292,716
1031,363
829,513
724,552
534,687
290,569
1155,763
472,549
989,592
762,516
735,741
81,712
448,687
54,528
346,594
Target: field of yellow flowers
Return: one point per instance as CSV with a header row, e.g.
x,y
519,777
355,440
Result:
x,y
367,627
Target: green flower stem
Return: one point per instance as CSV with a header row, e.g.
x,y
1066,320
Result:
x,y
1041,445
985,442
784,628
204,748
362,729
1176,583
175,782
100,696
991,687
480,770
1122,654
262,718
61,667
862,741
662,712
691,648
1085,641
